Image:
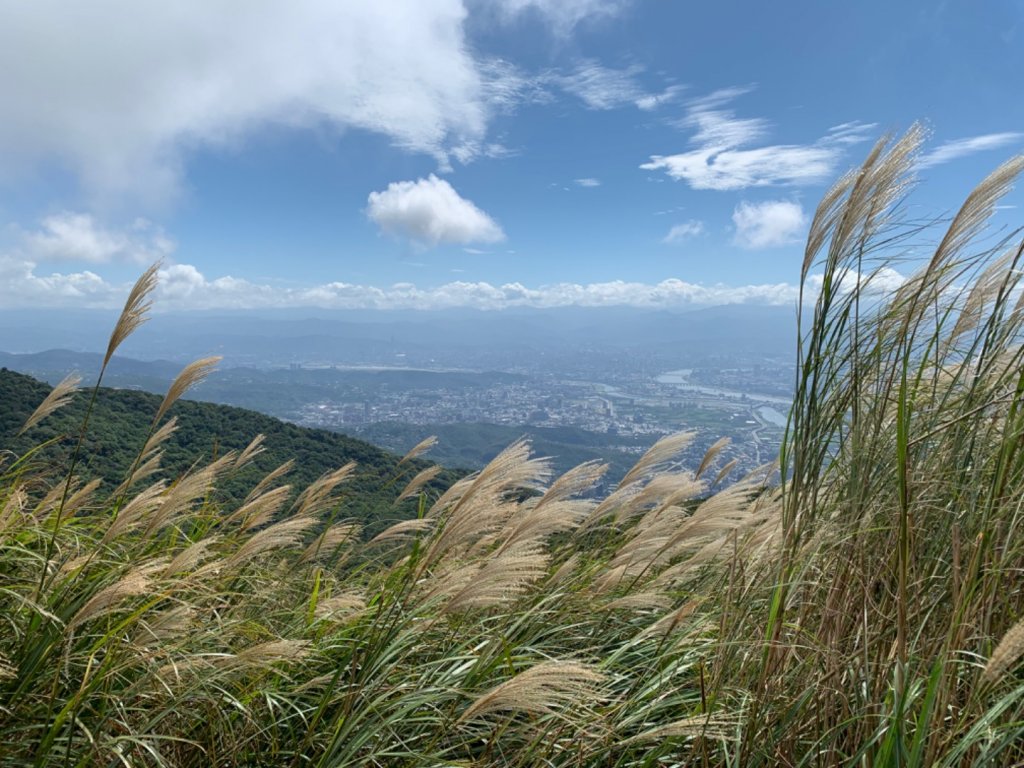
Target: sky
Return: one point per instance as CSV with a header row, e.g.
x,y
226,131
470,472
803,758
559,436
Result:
x,y
426,154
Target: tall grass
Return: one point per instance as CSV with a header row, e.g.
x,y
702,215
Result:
x,y
861,606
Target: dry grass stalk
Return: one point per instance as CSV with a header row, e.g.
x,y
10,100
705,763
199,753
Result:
x,y
250,452
976,210
59,396
480,509
577,480
180,498
260,510
536,523
706,726
135,582
191,375
159,437
499,580
710,455
136,511
272,652
724,471
659,492
49,502
190,557
145,469
286,533
157,629
658,456
419,449
340,606
403,530
79,498
548,688
671,622
269,479
1006,653
135,310
13,511
317,496
328,542
421,479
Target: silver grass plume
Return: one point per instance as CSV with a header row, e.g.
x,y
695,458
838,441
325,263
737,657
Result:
x,y
58,397
548,688
135,311
190,375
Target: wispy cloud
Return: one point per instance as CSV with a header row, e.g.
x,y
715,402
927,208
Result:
x,y
725,155
431,212
588,182
684,231
603,88
768,224
957,148
561,15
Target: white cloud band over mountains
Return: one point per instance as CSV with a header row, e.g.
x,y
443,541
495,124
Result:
x,y
182,286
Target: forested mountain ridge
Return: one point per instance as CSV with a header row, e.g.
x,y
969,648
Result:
x,y
121,420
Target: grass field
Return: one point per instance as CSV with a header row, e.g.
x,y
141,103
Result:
x,y
861,607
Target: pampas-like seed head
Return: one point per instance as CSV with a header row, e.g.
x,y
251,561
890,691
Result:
x,y
59,396
136,307
190,375
419,449
421,479
1006,653
712,452
548,688
658,455
135,582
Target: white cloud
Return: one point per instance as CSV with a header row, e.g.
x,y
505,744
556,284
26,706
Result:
x,y
684,231
69,236
184,287
588,182
430,211
768,224
723,155
562,15
654,100
603,88
118,92
954,150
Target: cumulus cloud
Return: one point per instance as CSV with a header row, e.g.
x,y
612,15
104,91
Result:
x,y
183,287
725,152
684,231
117,92
69,236
768,224
430,211
954,150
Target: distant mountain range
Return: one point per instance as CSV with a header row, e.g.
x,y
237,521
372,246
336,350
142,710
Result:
x,y
437,337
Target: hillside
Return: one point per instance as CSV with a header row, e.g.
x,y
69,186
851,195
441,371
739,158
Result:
x,y
121,420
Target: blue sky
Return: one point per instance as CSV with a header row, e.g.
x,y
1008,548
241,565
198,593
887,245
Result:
x,y
436,153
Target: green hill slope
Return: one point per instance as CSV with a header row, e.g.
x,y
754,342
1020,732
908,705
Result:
x,y
121,420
